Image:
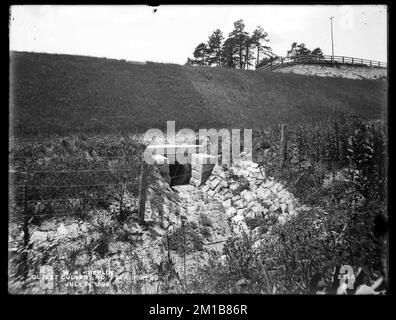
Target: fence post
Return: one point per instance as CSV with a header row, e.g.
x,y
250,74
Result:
x,y
283,144
342,59
352,60
26,235
371,63
121,213
184,253
143,190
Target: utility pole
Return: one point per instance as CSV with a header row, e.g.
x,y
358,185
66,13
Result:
x,y
332,43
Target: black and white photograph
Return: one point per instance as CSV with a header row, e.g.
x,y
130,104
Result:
x,y
198,149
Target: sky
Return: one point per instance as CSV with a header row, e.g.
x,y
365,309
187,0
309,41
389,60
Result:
x,y
171,33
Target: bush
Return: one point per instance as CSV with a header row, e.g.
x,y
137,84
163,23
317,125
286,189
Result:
x,y
205,232
186,239
260,222
242,272
286,259
205,220
341,229
102,246
316,149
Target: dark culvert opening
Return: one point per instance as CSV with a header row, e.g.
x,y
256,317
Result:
x,y
179,173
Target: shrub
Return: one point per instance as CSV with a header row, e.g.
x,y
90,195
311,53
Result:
x,y
205,232
341,229
260,222
186,239
242,271
205,220
102,245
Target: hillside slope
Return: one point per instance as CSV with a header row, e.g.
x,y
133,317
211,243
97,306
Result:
x,y
68,94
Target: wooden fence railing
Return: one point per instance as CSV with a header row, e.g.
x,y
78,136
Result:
x,y
326,59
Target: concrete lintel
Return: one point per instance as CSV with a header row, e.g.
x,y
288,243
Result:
x,y
160,159
172,148
203,158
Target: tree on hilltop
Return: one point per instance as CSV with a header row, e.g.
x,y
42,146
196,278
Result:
x,y
258,36
317,52
248,53
298,50
229,52
302,50
201,54
237,51
292,51
240,37
214,47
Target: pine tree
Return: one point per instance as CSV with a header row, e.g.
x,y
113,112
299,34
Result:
x,y
292,51
239,36
258,36
201,54
302,50
229,51
248,53
237,51
215,47
298,50
317,52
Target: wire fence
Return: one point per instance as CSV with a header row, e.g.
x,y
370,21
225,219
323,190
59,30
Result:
x,y
30,189
68,157
68,171
69,185
55,214
32,206
59,199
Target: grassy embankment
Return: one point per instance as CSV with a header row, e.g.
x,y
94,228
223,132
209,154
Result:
x,y
64,94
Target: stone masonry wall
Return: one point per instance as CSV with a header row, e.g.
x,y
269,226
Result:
x,y
246,192
201,168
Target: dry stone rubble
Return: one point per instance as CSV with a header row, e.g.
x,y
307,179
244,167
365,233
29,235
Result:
x,y
247,193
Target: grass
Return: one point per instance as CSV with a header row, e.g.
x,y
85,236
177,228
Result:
x,y
65,94
96,168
